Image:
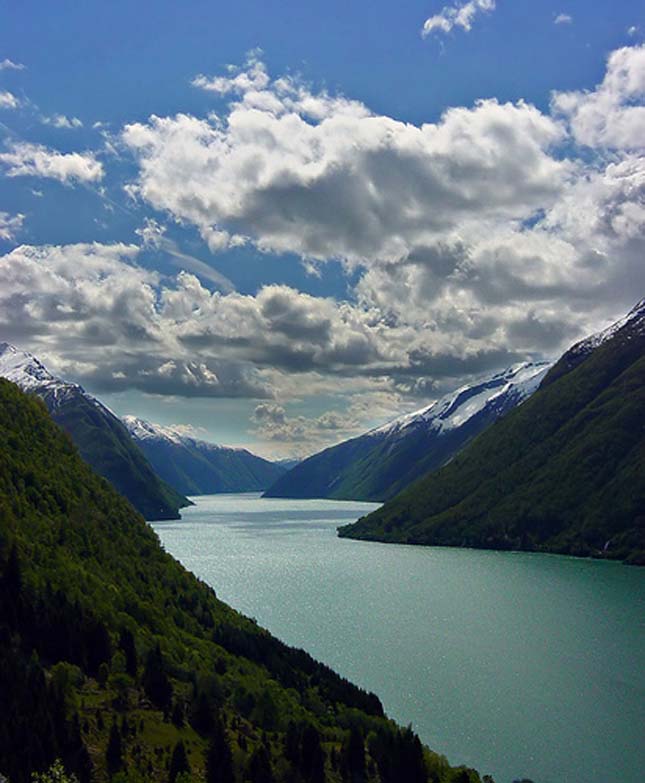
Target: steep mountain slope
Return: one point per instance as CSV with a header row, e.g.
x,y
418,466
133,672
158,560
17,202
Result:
x,y
102,439
116,659
564,472
195,467
377,465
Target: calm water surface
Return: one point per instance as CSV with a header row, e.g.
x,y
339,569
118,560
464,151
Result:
x,y
519,665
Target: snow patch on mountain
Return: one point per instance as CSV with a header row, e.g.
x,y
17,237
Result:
x,y
518,381
635,319
142,430
31,375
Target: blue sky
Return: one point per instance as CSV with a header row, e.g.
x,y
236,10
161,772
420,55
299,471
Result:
x,y
370,250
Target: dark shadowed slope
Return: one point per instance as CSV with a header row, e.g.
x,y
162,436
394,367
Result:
x,y
196,467
564,472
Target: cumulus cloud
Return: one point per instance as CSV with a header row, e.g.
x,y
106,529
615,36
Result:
x,y
9,65
253,77
295,171
8,100
301,435
35,160
111,323
612,115
563,19
452,16
486,237
476,240
10,225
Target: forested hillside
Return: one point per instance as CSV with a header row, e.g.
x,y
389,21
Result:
x,y
118,661
564,472
99,435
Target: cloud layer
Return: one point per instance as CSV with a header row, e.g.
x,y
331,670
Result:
x,y
497,233
476,236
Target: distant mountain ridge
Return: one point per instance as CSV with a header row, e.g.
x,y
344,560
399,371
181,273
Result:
x,y
101,437
197,467
380,463
564,472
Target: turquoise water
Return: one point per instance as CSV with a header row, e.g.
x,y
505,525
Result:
x,y
520,665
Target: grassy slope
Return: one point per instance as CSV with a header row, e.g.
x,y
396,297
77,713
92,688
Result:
x,y
564,472
92,569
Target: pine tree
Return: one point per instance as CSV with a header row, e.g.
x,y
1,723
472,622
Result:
x,y
126,643
155,680
114,752
219,760
259,770
201,713
312,763
179,762
354,757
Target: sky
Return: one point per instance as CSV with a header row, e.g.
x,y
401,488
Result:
x,y
278,224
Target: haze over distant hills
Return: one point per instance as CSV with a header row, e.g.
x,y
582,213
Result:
x,y
196,467
378,464
564,472
102,439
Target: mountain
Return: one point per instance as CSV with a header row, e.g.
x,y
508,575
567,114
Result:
x,y
101,438
123,665
380,463
196,467
564,472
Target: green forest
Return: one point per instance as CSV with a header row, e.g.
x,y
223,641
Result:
x,y
564,472
118,664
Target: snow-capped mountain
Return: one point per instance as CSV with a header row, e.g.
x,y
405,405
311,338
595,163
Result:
x,y
634,321
31,375
631,326
563,472
198,467
452,411
378,464
101,438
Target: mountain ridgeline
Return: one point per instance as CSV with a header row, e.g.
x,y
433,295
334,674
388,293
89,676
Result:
x,y
378,465
196,467
100,436
118,661
564,472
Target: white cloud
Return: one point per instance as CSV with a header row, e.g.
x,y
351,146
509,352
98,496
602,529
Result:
x,y
35,160
476,240
253,77
10,225
613,114
8,100
563,19
320,176
62,121
452,16
632,31
6,65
